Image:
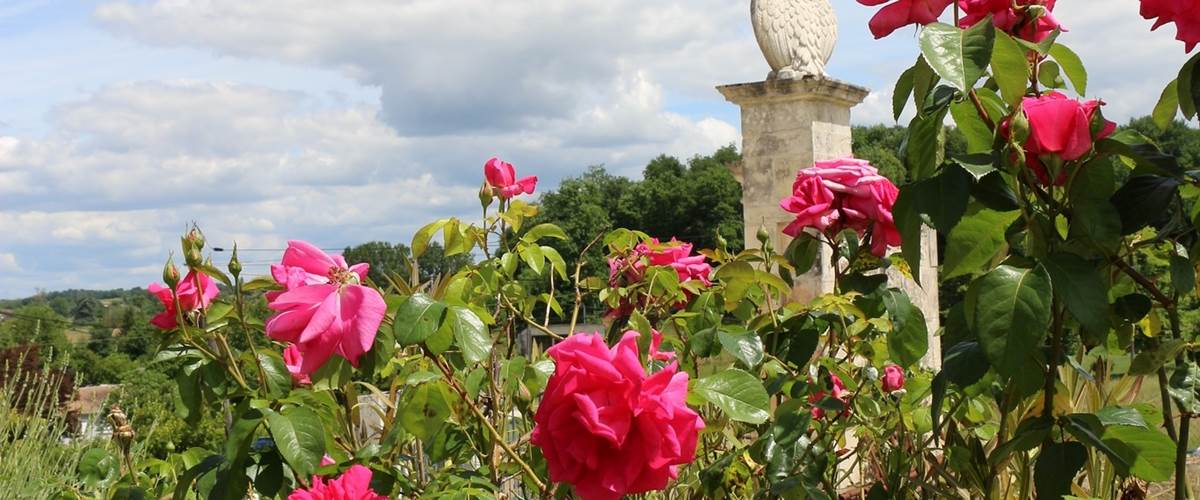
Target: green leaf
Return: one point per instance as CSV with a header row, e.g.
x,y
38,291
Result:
x,y
1183,275
279,379
533,257
97,465
974,241
802,253
1150,360
1167,107
908,340
965,363
1010,68
959,56
470,334
544,231
739,394
556,260
299,436
908,221
1056,468
904,89
1188,87
425,410
1088,430
1011,315
1072,66
1116,415
742,344
1149,452
418,318
978,165
993,192
188,387
1098,222
1133,307
1184,387
1082,288
420,239
979,136
1142,200
925,148
944,197
924,79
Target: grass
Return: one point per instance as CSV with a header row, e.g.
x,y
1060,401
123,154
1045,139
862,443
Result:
x,y
36,464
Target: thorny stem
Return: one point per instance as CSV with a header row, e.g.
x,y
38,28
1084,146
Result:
x,y
578,287
499,438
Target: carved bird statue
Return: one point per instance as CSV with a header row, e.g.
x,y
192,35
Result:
x,y
796,36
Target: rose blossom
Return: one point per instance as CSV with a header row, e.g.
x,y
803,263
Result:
x,y
608,428
189,300
893,378
847,193
1061,127
354,484
323,308
903,13
1014,17
293,359
839,393
1184,13
502,177
678,256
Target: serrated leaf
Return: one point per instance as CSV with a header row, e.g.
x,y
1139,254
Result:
x,y
958,56
1082,288
1011,315
739,394
470,334
1072,66
742,344
418,318
975,241
299,436
1010,68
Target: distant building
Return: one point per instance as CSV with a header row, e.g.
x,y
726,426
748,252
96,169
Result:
x,y
87,413
530,336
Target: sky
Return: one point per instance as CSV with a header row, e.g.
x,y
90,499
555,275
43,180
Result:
x,y
122,121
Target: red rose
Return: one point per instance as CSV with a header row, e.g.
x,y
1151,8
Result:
x,y
189,299
903,13
608,428
1184,13
1061,127
839,393
847,193
1014,17
354,484
893,378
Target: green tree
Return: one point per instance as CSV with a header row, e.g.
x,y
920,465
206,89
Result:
x,y
388,259
36,324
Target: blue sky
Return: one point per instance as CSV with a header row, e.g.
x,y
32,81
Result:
x,y
343,122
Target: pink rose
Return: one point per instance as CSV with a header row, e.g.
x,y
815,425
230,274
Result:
x,y
1012,16
903,13
677,255
847,193
502,177
189,300
839,393
893,378
1059,126
608,428
354,484
1184,13
323,309
293,359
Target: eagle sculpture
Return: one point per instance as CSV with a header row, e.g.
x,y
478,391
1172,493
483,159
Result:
x,y
796,36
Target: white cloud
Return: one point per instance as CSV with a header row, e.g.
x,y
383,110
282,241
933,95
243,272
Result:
x,y
8,263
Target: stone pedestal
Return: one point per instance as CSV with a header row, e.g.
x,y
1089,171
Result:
x,y
786,126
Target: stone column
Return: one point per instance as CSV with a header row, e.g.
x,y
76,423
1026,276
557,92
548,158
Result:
x,y
787,125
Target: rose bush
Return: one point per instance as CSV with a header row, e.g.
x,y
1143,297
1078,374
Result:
x,y
711,377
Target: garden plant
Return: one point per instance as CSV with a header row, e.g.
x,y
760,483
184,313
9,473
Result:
x,y
708,379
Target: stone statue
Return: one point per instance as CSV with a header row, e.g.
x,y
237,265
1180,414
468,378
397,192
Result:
x,y
796,36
